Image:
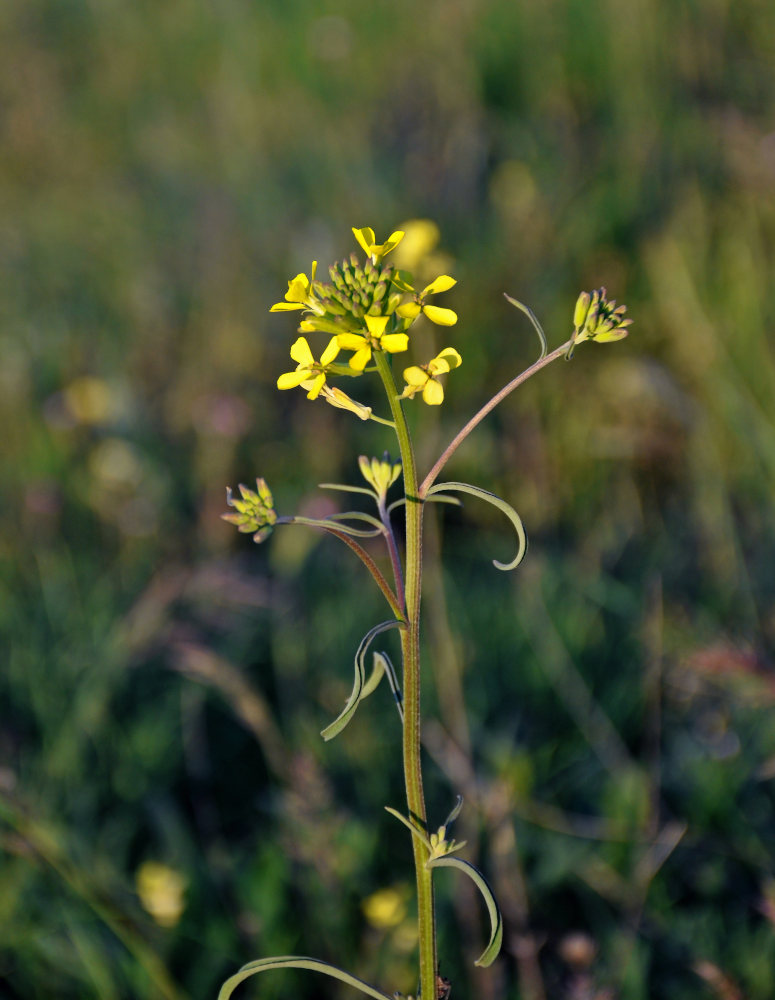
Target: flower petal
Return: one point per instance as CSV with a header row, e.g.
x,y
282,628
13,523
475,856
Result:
x,y
433,394
394,342
298,289
409,310
365,238
301,353
452,357
443,317
317,385
441,284
360,359
351,341
376,325
415,376
280,307
291,379
330,352
438,366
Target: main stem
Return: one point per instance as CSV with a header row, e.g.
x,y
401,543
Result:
x,y
410,649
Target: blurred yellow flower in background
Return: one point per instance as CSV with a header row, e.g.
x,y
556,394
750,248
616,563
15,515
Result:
x,y
161,890
386,908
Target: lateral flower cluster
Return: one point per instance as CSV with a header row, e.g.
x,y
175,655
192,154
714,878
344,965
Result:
x,y
365,309
255,511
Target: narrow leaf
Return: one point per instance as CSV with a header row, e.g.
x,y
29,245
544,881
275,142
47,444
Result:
x,y
490,953
377,670
428,499
390,672
298,962
455,812
415,830
314,522
348,489
383,666
533,319
357,515
360,681
496,501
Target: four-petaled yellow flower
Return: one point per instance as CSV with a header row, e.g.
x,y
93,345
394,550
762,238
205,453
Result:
x,y
376,251
374,340
424,378
308,369
442,317
299,294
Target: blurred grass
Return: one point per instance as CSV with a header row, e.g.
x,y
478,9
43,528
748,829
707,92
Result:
x,y
163,169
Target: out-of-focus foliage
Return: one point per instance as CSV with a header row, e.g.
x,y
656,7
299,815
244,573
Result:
x,y
167,809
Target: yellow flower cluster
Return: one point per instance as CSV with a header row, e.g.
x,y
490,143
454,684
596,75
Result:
x,y
365,309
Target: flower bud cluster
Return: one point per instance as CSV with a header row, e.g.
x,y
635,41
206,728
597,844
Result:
x,y
595,318
353,293
255,511
379,474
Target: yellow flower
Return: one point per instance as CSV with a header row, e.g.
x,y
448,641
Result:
x,y
299,294
376,251
442,317
375,339
424,378
308,369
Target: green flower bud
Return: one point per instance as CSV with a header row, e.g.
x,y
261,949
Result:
x,y
380,291
580,312
379,474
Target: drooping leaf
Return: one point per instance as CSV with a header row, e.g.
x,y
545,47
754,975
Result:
x,y
298,962
534,320
490,953
383,667
360,681
496,501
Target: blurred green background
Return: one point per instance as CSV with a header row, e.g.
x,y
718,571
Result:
x,y
167,808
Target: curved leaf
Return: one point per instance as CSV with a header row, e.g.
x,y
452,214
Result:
x,y
360,681
298,962
382,665
496,501
428,499
490,953
534,320
314,522
358,515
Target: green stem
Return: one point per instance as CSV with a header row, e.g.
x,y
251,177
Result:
x,y
410,649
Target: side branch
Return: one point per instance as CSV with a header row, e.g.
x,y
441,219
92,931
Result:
x,y
452,447
370,565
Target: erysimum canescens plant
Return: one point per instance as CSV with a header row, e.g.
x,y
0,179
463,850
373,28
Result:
x,y
369,309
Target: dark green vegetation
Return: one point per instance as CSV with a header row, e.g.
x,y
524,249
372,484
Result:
x,y
164,167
